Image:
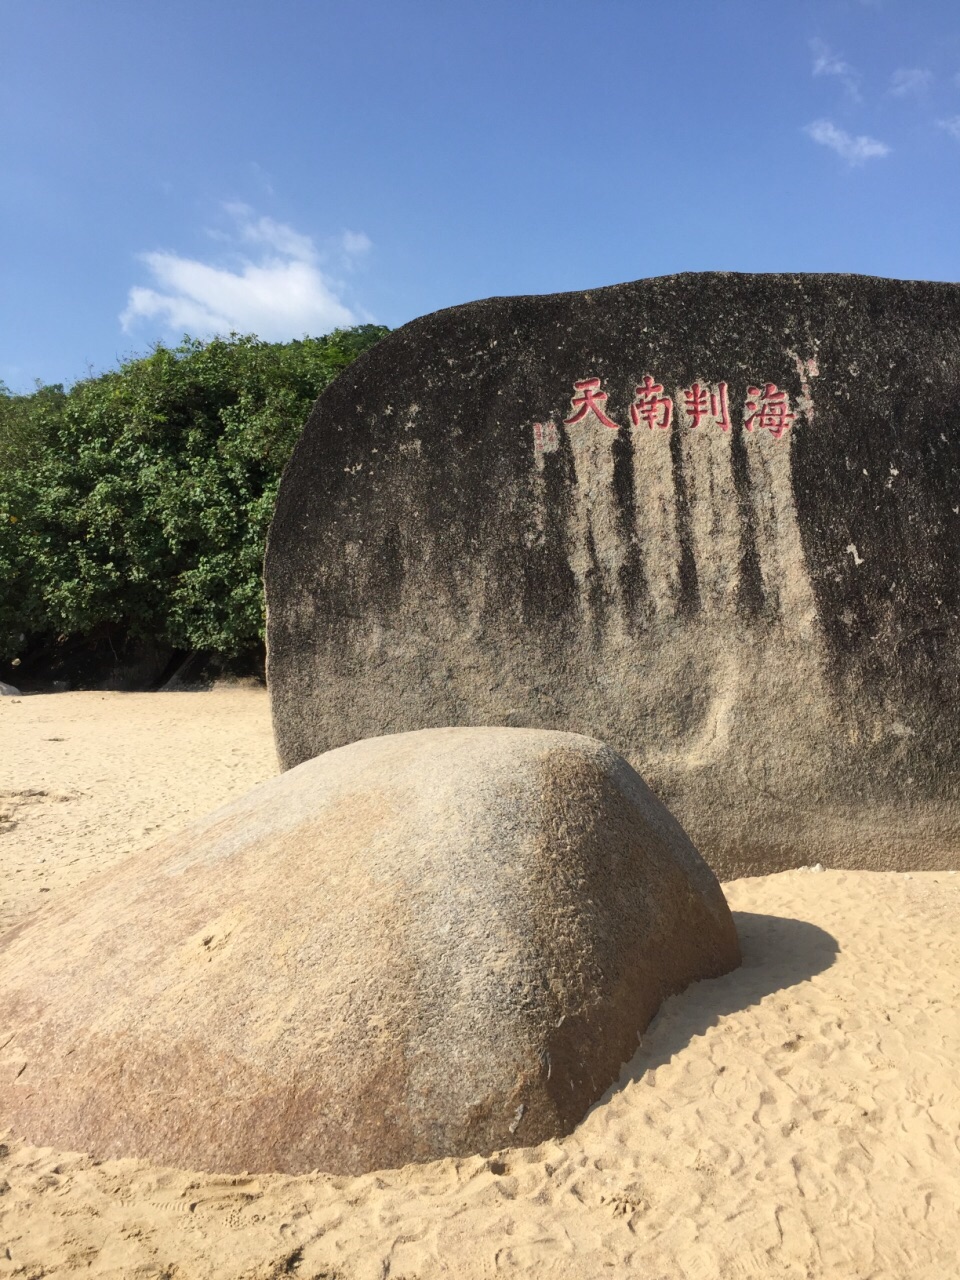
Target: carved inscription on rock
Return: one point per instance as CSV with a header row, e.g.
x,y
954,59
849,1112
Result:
x,y
705,406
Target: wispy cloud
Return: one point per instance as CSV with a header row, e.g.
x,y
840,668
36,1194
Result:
x,y
827,63
271,284
355,244
952,126
910,82
852,149
268,234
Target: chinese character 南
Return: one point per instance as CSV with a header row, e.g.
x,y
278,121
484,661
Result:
x,y
590,400
768,410
701,403
652,406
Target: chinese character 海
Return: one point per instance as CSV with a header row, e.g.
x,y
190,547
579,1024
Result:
x,y
703,402
589,400
768,410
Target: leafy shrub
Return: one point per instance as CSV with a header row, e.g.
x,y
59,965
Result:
x,y
137,503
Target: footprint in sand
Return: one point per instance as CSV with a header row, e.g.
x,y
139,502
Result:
x,y
11,802
233,1196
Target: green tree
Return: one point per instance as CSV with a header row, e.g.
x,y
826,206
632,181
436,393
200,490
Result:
x,y
137,503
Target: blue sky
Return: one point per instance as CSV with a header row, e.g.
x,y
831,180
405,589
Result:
x,y
285,167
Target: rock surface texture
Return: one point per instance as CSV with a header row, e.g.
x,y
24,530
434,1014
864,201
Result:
x,y
8,691
423,945
713,520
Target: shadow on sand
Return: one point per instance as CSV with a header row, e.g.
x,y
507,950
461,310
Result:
x,y
778,952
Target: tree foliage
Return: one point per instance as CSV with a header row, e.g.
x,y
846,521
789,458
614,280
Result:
x,y
137,502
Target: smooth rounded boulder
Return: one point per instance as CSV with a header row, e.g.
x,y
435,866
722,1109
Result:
x,y
430,944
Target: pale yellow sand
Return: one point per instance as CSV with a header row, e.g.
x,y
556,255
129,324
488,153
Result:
x,y
798,1118
86,778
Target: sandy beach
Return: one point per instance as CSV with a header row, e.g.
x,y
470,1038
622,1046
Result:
x,y
798,1118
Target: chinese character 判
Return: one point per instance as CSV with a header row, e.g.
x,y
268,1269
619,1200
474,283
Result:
x,y
652,406
702,402
589,400
768,410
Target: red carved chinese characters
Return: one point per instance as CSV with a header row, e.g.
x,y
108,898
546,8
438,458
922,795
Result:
x,y
589,400
768,410
652,406
703,402
545,437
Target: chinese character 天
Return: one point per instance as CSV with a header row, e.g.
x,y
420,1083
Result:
x,y
589,400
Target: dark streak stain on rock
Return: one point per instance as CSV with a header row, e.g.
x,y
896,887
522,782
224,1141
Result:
x,y
630,574
750,588
688,592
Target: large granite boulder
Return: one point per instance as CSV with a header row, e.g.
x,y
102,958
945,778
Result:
x,y
711,519
423,945
8,691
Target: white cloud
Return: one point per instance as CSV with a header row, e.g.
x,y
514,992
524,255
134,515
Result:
x,y
952,126
907,81
355,243
272,235
272,285
827,63
853,150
